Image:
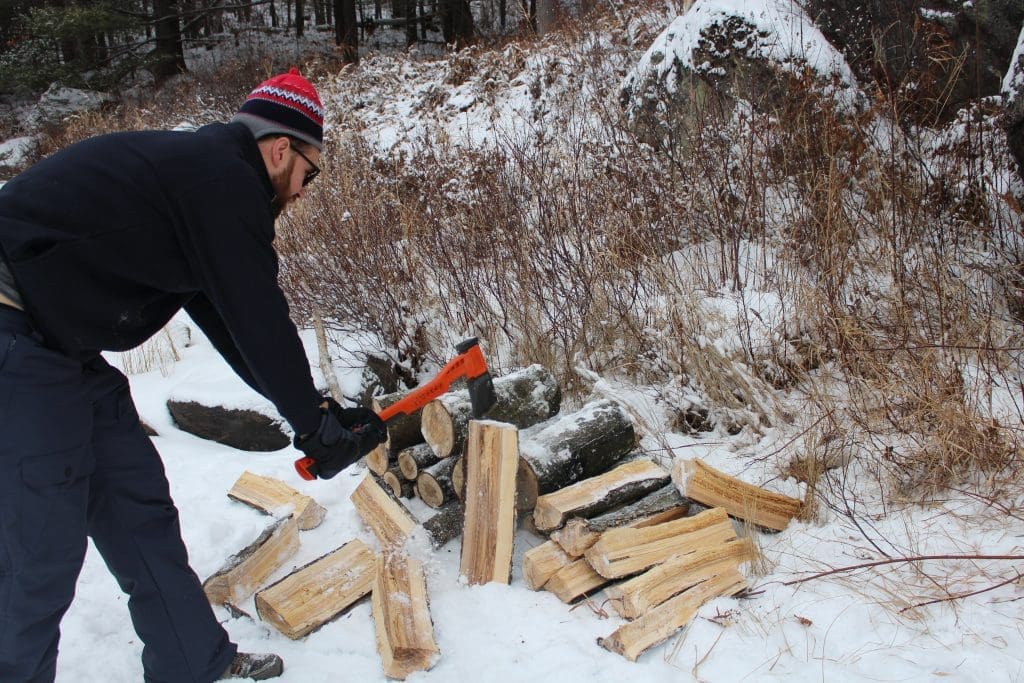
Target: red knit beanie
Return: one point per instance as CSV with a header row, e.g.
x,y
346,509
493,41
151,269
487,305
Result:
x,y
285,105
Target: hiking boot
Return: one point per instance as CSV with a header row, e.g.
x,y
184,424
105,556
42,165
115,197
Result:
x,y
258,667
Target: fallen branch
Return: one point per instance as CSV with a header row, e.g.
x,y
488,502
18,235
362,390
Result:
x,y
895,560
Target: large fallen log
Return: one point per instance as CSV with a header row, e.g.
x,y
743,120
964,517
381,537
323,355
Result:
x,y
633,639
523,398
307,599
697,481
637,596
574,580
446,524
403,432
434,484
541,563
572,447
273,497
401,616
492,454
662,505
621,552
246,571
382,512
621,485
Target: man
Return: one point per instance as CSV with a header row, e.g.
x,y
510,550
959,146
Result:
x,y
100,245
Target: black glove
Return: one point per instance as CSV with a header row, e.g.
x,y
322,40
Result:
x,y
333,446
358,418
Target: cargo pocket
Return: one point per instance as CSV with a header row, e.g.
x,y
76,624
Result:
x,y
55,497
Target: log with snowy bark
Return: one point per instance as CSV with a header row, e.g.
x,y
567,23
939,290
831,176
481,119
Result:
x,y
704,484
623,484
397,483
413,459
401,616
572,447
246,571
446,524
542,562
492,454
383,512
662,505
434,484
621,552
634,638
273,497
637,596
308,598
523,398
403,432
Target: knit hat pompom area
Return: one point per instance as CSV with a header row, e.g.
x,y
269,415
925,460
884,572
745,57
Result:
x,y
286,104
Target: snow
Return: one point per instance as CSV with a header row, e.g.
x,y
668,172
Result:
x,y
1013,82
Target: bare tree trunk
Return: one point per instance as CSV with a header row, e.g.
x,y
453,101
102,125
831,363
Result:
x,y
345,35
170,57
300,18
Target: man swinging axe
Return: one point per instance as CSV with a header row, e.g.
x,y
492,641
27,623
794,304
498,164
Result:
x,y
100,245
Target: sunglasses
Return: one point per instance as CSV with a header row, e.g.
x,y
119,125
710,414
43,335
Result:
x,y
313,171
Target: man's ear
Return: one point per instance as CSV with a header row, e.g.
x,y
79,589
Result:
x,y
275,152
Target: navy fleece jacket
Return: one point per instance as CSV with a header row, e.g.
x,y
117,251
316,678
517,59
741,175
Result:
x,y
110,237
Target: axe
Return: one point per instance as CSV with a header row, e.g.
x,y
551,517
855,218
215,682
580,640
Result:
x,y
468,363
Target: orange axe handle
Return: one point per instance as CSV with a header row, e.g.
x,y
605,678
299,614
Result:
x,y
468,364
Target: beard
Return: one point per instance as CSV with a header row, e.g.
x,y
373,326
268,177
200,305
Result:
x,y
280,183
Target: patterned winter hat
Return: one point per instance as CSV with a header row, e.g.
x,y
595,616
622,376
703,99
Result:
x,y
287,105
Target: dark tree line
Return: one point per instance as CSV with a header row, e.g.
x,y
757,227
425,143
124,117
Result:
x,y
95,43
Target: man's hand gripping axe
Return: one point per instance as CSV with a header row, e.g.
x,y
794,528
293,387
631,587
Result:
x,y
469,363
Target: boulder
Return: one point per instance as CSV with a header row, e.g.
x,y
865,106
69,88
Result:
x,y
1013,99
246,430
58,103
720,52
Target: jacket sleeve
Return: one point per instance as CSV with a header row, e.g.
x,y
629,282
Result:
x,y
227,234
203,314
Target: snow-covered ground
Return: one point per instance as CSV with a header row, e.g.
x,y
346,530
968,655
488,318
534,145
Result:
x,y
842,627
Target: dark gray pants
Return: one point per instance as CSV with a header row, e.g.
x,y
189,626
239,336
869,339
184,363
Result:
x,y
74,461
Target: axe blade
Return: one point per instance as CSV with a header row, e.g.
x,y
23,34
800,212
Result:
x,y
481,394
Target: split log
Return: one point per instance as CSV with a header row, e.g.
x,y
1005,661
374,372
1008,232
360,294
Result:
x,y
403,432
633,639
663,505
572,447
381,510
624,484
274,497
492,453
541,563
574,581
523,398
637,596
706,485
246,571
446,524
413,459
399,485
307,599
401,617
621,552
435,484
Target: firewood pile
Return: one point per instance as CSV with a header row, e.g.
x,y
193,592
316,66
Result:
x,y
658,543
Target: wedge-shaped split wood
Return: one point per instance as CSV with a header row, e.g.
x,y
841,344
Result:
x,y
637,596
308,598
492,456
662,505
706,485
572,447
273,497
624,484
522,398
574,580
401,616
383,512
621,552
246,571
633,639
541,563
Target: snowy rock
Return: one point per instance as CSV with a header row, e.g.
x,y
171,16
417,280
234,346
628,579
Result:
x,y
246,430
1013,97
58,103
16,152
735,51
